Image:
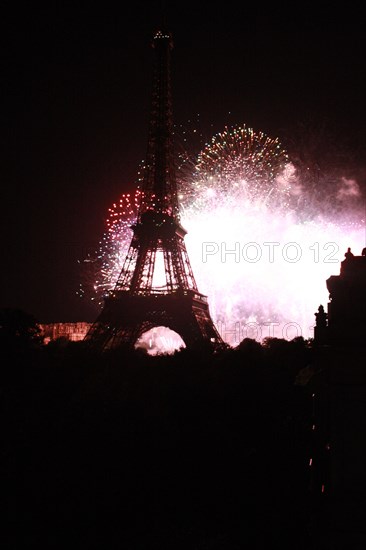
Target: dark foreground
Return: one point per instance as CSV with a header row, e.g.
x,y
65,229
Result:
x,y
194,451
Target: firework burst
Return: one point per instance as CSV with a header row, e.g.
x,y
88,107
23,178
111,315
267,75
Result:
x,y
236,164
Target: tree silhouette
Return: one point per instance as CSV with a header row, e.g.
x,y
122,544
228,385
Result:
x,y
18,330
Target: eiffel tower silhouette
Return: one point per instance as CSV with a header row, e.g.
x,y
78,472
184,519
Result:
x,y
156,286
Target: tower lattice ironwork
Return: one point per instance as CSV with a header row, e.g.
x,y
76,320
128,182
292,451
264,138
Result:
x,y
156,286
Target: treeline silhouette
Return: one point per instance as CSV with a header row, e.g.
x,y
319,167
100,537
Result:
x,y
123,450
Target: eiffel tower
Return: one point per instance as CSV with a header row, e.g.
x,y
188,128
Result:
x,y
156,286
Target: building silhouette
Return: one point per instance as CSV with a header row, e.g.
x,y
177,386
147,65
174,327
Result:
x,y
345,321
338,393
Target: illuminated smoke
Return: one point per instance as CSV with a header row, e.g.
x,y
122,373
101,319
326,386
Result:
x,y
160,340
348,188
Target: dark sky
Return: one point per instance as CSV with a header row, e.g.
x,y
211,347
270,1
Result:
x,y
76,83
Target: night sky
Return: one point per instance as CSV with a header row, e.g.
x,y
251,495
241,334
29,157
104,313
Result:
x,y
76,85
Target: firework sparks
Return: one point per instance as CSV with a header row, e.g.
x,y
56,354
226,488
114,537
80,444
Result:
x,y
101,270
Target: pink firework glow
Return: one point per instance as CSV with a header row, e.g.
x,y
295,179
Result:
x,y
261,241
